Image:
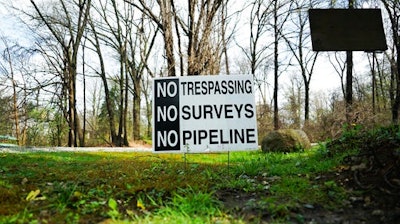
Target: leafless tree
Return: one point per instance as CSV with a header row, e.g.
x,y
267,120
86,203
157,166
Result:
x,y
297,41
257,52
8,68
393,10
349,75
204,25
141,44
202,52
294,100
339,64
164,20
280,17
131,35
101,72
66,25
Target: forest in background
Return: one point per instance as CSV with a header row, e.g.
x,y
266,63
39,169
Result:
x,y
81,75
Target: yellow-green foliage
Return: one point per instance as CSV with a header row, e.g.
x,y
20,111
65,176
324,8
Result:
x,y
285,140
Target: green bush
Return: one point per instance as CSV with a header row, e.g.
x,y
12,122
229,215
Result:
x,y
285,140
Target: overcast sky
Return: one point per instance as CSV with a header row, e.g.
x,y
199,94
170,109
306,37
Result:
x,y
324,78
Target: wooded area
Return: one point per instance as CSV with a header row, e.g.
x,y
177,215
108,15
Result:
x,y
81,74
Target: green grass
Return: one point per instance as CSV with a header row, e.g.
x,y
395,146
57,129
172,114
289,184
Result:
x,y
157,188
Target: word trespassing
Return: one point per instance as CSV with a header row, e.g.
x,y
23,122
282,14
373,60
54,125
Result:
x,y
216,87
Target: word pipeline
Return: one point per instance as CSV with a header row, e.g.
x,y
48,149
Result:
x,y
195,114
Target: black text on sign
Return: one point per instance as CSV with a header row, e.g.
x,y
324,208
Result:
x,y
204,113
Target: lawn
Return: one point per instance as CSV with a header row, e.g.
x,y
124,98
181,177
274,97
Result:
x,y
122,187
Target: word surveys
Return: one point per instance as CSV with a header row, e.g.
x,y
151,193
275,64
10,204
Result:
x,y
195,114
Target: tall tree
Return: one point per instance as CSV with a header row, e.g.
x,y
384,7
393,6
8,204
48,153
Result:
x,y
349,76
164,20
296,40
202,53
67,28
101,71
112,31
279,19
393,10
199,21
257,52
339,65
9,68
15,67
131,36
141,46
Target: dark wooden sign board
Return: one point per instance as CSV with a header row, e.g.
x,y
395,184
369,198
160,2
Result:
x,y
347,30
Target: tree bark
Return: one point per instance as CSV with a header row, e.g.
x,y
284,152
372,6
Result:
x,y
349,78
166,17
276,67
107,95
349,85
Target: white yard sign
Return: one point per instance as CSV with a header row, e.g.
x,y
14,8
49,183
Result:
x,y
193,114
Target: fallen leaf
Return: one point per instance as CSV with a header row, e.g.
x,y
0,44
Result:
x,y
140,205
112,204
32,195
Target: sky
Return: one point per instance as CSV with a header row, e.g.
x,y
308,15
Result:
x,y
324,78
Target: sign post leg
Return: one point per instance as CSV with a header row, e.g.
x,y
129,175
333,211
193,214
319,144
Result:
x,y
229,173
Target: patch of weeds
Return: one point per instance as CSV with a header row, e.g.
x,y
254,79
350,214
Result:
x,y
279,210
246,183
350,139
193,202
186,205
90,207
67,194
113,212
23,217
5,184
296,188
335,193
72,218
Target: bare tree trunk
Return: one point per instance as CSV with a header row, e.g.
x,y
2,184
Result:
x,y
179,39
121,122
102,74
223,35
15,97
25,127
202,58
166,17
392,10
276,67
373,83
136,110
84,95
126,105
396,103
349,78
306,62
148,108
349,85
